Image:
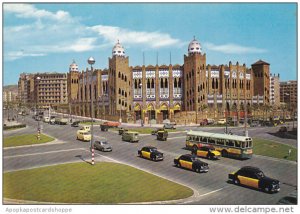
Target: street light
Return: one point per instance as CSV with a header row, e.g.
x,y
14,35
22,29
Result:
x,y
38,119
141,88
92,61
226,86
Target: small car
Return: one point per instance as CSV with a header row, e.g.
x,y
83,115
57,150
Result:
x,y
253,177
104,128
189,161
255,123
103,145
221,122
169,126
154,132
162,135
122,130
151,153
75,124
83,135
207,152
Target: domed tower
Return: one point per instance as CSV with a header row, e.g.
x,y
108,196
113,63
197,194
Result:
x,y
194,77
119,84
72,81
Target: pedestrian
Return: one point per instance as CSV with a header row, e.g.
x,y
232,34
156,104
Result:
x,y
290,151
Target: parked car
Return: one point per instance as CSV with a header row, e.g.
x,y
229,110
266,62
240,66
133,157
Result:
x,y
207,152
203,122
103,145
254,123
221,122
210,121
169,126
151,153
189,161
253,177
162,135
130,136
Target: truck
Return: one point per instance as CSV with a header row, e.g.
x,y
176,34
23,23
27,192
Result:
x,y
61,121
111,124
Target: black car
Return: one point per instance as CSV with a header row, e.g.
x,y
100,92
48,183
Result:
x,y
154,132
162,135
151,153
255,178
75,124
189,161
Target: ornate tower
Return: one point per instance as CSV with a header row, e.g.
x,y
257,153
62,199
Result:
x,y
194,78
72,81
120,97
261,80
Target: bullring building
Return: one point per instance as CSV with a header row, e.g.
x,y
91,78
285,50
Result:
x,y
177,93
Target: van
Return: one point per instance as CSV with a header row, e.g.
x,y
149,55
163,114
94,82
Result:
x,y
83,135
85,128
130,136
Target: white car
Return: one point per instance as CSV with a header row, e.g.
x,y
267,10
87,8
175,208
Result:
x,y
221,121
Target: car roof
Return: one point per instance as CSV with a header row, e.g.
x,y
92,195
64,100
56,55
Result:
x,y
251,168
150,147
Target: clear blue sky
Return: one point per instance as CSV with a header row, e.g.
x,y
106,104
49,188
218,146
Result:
x,y
47,37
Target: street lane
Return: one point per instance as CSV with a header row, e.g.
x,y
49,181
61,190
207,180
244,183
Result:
x,y
212,185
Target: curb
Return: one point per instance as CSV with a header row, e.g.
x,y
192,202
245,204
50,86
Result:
x,y
55,141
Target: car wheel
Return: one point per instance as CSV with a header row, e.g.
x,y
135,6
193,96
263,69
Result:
x,y
195,148
266,189
197,170
224,153
236,181
208,156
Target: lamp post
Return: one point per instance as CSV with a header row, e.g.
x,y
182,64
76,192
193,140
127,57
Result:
x,y
38,119
92,61
226,111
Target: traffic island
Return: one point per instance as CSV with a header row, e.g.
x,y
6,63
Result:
x,y
103,183
27,139
273,149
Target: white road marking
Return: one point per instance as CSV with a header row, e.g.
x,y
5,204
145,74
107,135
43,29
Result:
x,y
42,153
176,137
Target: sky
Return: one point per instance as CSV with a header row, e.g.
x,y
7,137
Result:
x,y
48,37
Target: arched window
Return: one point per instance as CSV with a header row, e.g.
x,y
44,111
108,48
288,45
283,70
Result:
x,y
119,91
213,83
135,84
161,83
119,101
179,83
125,94
140,83
166,83
175,83
148,83
217,84
122,92
122,76
152,83
119,74
125,79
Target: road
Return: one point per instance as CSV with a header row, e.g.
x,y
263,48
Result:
x,y
210,188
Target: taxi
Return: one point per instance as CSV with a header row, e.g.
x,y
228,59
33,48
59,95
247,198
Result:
x,y
189,161
207,152
253,177
151,153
